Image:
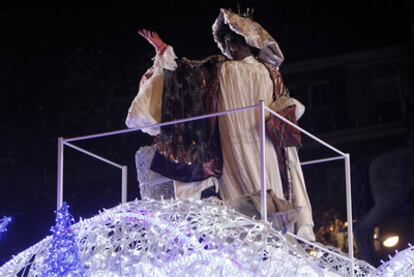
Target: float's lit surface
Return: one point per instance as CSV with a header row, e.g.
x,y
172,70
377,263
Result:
x,y
177,238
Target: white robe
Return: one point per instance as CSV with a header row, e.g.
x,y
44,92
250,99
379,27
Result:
x,y
242,83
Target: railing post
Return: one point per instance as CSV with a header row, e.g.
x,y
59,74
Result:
x,y
124,189
349,211
263,194
60,151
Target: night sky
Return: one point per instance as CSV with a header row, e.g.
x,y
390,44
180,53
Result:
x,y
73,70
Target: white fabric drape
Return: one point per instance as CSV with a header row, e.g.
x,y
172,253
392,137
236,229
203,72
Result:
x,y
244,83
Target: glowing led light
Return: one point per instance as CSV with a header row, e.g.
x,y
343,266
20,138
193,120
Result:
x,y
391,241
313,253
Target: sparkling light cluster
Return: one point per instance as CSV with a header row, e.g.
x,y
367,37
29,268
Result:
x,y
176,238
402,264
3,223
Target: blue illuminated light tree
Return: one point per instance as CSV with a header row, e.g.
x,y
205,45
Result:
x,y
63,259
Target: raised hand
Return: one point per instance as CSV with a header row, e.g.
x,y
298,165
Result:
x,y
154,39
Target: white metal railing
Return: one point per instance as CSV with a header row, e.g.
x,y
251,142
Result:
x,y
62,142
347,161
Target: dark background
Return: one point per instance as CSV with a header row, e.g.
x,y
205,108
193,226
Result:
x,y
73,70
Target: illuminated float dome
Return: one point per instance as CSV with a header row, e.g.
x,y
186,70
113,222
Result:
x,y
176,238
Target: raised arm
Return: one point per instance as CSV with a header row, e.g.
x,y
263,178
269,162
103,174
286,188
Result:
x,y
154,39
145,109
165,56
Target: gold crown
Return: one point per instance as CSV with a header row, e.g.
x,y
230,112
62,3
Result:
x,y
248,13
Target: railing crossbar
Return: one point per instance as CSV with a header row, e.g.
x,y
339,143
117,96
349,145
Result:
x,y
305,132
93,155
129,130
322,160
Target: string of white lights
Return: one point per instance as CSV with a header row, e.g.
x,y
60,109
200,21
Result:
x,y
177,238
402,264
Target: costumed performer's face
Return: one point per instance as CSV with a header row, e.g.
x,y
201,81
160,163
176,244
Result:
x,y
236,46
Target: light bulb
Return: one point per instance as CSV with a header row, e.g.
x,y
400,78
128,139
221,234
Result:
x,y
391,241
